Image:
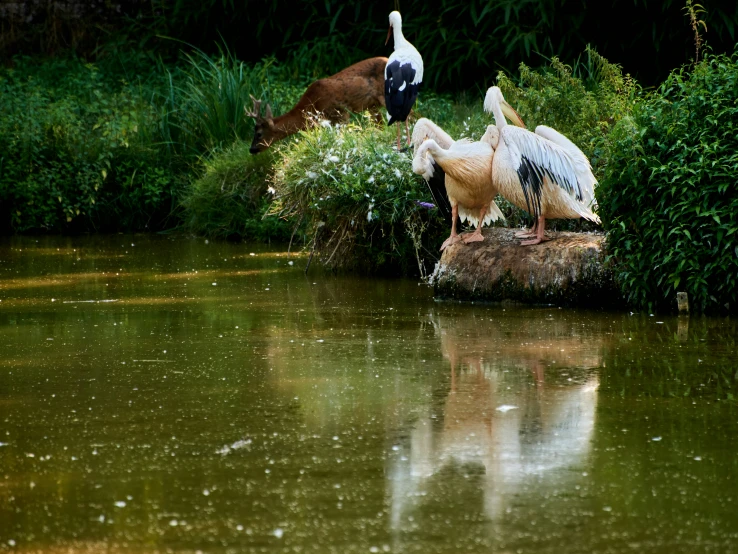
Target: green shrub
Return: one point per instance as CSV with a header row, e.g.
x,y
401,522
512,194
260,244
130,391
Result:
x,y
66,134
231,198
669,199
358,198
582,107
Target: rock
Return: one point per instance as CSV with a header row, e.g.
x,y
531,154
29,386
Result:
x,y
567,270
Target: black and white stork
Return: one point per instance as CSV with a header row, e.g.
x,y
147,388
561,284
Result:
x,y
402,76
542,172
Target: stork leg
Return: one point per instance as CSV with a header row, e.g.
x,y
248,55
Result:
x,y
454,237
407,132
540,230
477,236
398,137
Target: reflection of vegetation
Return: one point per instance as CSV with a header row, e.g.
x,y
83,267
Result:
x,y
318,420
689,357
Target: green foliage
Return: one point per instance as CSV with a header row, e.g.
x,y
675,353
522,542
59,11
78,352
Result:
x,y
231,198
358,198
583,107
204,105
69,138
669,199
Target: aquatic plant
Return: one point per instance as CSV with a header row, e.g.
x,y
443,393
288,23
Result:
x,y
668,198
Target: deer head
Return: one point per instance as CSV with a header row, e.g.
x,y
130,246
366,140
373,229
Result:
x,y
263,126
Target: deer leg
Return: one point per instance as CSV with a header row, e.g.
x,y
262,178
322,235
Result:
x,y
540,230
454,237
477,236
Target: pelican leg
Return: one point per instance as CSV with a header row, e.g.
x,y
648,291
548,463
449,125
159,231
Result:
x,y
528,233
454,237
540,236
477,236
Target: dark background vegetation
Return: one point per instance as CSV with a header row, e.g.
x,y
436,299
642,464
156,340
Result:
x,y
648,38
129,116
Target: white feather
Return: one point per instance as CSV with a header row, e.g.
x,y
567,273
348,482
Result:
x,y
404,51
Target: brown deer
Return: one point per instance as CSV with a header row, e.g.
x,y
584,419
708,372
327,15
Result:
x,y
357,88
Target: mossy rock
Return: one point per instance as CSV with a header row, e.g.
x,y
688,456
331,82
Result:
x,y
568,270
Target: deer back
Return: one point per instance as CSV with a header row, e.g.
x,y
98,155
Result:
x,y
356,88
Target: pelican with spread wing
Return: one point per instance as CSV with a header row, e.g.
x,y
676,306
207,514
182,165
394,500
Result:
x,y
542,172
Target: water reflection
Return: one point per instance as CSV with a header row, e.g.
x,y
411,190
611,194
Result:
x,y
161,395
518,410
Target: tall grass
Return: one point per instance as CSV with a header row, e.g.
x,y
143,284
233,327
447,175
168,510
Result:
x,y
203,109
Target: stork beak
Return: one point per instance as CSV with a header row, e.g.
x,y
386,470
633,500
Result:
x,y
389,33
512,115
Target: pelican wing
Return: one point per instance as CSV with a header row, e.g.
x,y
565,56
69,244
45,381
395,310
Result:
x,y
535,158
581,163
426,129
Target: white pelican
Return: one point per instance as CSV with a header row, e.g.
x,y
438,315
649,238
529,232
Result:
x,y
402,76
542,172
469,184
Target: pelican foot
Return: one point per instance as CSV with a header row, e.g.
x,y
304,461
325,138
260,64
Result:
x,y
473,237
528,233
453,239
534,241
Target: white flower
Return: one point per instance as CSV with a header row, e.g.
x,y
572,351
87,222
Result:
x,y
271,190
398,174
325,123
370,179
312,175
369,215
334,159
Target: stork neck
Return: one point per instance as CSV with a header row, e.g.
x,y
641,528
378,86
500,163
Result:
x,y
399,38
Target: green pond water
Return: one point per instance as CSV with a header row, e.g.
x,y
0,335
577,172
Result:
x,y
170,395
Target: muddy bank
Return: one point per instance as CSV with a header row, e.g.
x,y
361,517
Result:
x,y
567,270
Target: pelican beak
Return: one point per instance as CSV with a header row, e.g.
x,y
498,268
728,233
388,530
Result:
x,y
511,114
389,33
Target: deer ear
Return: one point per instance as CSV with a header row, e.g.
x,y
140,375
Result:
x,y
268,112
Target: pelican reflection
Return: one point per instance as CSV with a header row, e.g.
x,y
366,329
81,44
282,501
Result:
x,y
518,408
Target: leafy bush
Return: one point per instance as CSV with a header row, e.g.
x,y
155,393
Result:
x,y
358,198
72,150
230,198
669,199
583,107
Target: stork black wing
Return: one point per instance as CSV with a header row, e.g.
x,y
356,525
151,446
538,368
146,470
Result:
x,y
399,94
